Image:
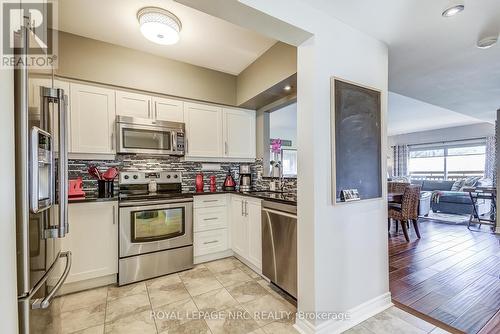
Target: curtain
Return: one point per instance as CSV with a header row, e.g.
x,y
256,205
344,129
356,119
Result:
x,y
489,166
401,155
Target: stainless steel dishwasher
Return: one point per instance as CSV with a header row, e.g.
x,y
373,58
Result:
x,y
279,245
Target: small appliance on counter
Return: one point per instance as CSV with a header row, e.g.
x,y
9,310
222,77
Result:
x,y
75,190
245,178
229,184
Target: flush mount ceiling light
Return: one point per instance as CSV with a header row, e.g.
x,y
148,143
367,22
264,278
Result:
x,y
487,42
159,25
453,9
287,88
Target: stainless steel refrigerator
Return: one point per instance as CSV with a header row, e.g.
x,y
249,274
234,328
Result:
x,y
41,195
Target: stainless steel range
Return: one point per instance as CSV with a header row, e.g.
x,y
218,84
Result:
x,y
156,226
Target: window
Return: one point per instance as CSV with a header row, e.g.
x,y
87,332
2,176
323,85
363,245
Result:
x,y
447,161
288,158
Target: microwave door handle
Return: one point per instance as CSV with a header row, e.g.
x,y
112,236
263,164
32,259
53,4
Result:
x,y
174,141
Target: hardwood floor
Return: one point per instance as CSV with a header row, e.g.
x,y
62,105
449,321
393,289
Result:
x,y
451,275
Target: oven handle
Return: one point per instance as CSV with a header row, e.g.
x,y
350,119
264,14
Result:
x,y
151,203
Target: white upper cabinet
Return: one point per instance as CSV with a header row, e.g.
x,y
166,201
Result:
x,y
203,130
92,119
168,109
239,133
133,104
152,107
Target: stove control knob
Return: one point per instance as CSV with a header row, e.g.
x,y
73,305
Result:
x,y
168,176
135,177
126,177
176,176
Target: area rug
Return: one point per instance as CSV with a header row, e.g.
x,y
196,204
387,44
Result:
x,y
448,218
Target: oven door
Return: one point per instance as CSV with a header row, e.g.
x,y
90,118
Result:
x,y
136,138
150,227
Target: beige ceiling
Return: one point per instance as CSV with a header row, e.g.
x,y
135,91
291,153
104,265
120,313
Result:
x,y
205,41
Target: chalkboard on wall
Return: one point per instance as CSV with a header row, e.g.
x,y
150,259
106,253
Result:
x,y
356,133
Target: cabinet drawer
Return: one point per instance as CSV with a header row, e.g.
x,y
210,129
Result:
x,y
207,201
209,242
206,219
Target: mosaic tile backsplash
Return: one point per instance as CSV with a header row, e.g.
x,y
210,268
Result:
x,y
189,169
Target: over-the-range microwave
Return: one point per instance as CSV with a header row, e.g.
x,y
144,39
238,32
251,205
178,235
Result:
x,y
147,136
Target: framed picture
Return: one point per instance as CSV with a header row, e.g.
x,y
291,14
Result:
x,y
356,140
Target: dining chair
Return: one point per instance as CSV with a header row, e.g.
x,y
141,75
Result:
x,y
395,187
408,211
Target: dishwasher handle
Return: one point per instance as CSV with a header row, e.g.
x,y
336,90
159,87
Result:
x,y
281,213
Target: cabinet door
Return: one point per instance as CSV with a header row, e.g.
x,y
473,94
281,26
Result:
x,y
92,240
203,130
239,240
92,119
239,133
253,210
133,104
168,110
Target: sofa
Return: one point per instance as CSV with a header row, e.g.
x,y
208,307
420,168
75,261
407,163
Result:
x,y
446,200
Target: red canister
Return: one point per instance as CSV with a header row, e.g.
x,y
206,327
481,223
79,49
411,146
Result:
x,y
213,185
199,182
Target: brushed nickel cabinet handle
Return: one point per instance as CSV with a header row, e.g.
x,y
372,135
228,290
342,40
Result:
x,y
211,242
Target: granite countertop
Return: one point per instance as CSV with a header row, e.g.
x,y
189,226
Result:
x,y
92,197
287,198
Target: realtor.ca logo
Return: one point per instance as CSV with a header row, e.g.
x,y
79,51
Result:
x,y
35,20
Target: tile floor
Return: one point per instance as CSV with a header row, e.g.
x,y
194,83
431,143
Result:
x,y
220,297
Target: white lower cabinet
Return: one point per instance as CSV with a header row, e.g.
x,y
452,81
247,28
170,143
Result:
x,y
209,242
254,232
92,240
211,236
246,229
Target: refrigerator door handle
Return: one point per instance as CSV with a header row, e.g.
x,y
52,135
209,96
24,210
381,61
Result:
x,y
63,165
45,302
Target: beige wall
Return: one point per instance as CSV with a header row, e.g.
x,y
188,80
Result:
x,y
88,59
275,65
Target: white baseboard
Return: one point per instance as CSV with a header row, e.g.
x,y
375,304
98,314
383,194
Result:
x,y
213,256
357,314
248,264
87,284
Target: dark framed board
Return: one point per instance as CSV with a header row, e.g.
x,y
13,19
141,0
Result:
x,y
356,134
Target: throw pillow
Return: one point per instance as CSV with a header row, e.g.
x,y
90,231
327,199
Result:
x,y
457,185
470,182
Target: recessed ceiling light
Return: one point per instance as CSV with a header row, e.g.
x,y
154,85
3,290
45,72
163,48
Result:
x,y
159,25
487,42
453,9
287,88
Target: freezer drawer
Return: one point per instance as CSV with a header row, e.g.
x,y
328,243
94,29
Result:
x,y
279,245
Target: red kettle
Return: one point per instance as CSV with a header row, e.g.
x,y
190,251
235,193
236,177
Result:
x,y
229,184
